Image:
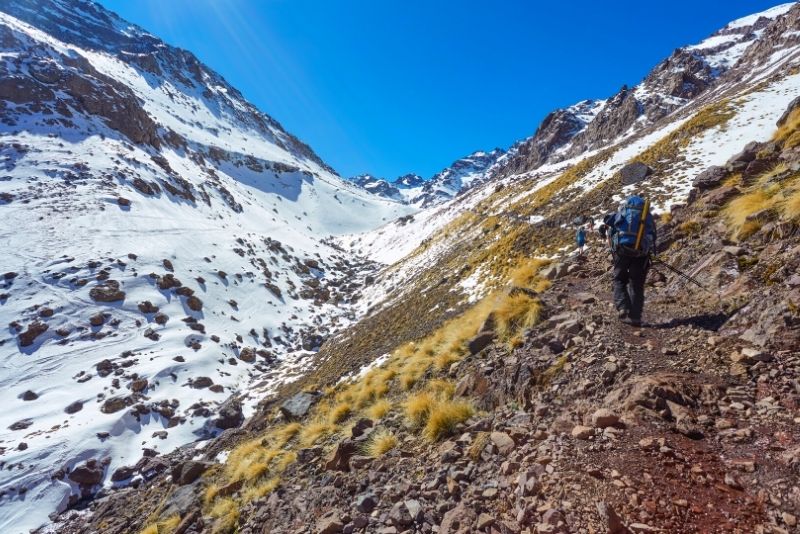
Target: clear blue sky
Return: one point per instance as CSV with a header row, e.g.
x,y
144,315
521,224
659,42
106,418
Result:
x,y
395,86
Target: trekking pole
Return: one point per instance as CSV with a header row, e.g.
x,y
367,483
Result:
x,y
682,274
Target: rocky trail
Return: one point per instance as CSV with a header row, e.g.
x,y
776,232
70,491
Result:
x,y
589,426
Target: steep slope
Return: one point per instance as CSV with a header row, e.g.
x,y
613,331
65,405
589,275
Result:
x,y
164,248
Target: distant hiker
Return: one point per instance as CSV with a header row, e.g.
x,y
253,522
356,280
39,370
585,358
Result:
x,y
632,237
602,229
580,239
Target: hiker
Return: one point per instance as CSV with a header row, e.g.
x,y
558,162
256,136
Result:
x,y
602,229
632,238
580,239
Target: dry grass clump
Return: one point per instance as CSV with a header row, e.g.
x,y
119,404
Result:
x,y
445,359
789,133
378,410
791,206
477,445
516,313
165,526
286,433
210,494
339,413
260,490
314,431
226,513
444,417
691,227
250,460
380,442
740,212
554,370
443,389
526,274
418,407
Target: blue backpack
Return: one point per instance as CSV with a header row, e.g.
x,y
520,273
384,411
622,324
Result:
x,y
627,229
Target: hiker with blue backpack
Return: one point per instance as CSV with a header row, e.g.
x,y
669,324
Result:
x,y
632,238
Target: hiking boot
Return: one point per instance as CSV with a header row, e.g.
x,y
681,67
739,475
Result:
x,y
622,314
631,321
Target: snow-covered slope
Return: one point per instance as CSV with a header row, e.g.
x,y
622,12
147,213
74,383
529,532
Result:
x,y
164,244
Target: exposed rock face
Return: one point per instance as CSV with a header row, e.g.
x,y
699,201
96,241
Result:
x,y
556,130
728,55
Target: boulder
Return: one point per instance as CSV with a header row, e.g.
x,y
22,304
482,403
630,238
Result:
x,y
194,303
88,474
582,432
114,404
247,355
108,291
202,382
361,427
756,168
189,471
554,271
710,178
298,405
329,524
366,503
635,172
182,499
459,519
147,307
481,341
123,473
230,414
604,418
35,329
739,162
75,407
720,196
339,459
399,516
503,442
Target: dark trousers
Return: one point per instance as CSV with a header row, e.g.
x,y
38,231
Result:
x,y
629,276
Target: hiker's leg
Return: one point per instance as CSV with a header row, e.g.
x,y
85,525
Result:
x,y
638,274
621,299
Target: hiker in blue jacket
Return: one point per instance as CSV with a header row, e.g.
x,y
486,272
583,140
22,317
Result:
x,y
632,237
580,239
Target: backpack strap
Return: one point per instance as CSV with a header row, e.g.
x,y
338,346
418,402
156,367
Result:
x,y
642,223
